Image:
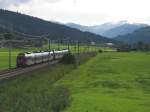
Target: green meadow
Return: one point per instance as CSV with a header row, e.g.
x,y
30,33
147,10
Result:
x,y
4,59
109,82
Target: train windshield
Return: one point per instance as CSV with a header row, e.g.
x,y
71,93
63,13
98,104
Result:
x,y
20,59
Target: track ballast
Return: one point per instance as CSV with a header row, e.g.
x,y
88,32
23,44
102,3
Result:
x,y
20,71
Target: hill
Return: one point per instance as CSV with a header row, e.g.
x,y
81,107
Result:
x,y
78,26
142,35
25,24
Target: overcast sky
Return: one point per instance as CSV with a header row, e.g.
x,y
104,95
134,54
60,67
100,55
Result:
x,y
86,12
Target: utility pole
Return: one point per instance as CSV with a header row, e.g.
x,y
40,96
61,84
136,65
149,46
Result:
x,y
58,44
75,46
68,45
78,48
49,44
53,45
10,55
10,45
63,44
88,47
41,43
95,47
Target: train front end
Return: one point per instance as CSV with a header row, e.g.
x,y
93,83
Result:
x,y
21,60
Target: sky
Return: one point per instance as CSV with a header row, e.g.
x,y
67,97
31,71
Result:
x,y
85,12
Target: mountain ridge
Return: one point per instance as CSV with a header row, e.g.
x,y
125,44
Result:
x,y
123,30
36,26
142,35
110,29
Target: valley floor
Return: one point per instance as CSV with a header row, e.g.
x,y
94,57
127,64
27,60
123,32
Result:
x,y
110,82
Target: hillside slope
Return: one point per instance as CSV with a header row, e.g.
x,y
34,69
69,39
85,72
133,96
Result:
x,y
78,26
35,26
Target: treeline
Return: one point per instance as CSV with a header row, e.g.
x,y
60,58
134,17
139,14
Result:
x,y
140,46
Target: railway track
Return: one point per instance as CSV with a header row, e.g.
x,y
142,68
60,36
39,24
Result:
x,y
19,71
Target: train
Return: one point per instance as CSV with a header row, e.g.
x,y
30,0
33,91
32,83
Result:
x,y
28,59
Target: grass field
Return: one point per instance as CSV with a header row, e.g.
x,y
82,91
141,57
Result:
x,y
4,59
110,82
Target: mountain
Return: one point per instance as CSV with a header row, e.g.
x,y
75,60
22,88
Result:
x,y
26,25
97,29
123,30
142,35
110,29
79,27
101,29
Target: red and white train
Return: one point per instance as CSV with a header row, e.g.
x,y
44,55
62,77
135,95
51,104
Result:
x,y
28,59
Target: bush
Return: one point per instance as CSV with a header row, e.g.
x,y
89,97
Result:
x,y
100,51
68,59
59,98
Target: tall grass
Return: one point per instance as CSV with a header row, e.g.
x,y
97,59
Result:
x,y
36,91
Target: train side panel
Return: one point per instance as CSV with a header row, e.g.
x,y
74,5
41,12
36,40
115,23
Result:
x,y
27,59
30,59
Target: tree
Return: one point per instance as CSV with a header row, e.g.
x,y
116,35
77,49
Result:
x,y
124,48
140,46
146,47
8,36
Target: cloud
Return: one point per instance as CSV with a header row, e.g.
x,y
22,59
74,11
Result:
x,y
87,12
7,3
52,1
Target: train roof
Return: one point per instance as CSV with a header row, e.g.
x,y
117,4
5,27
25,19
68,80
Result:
x,y
28,54
62,51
